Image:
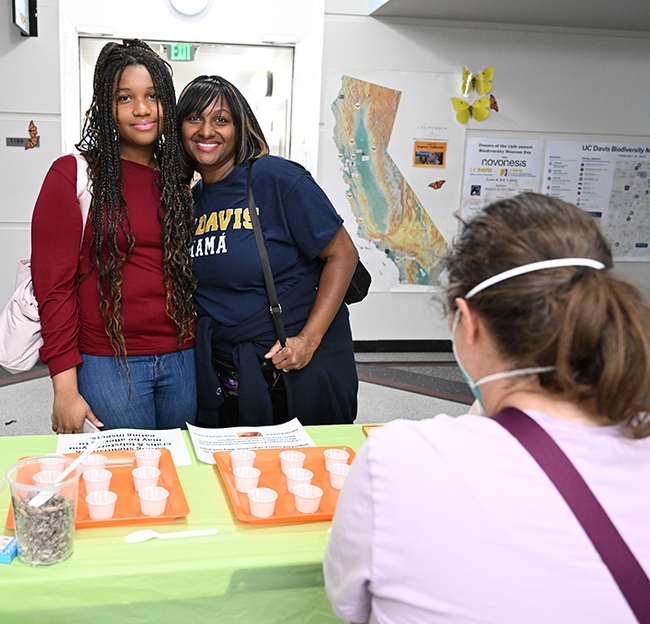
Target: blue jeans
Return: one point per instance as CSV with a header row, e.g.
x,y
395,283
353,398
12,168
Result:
x,y
162,393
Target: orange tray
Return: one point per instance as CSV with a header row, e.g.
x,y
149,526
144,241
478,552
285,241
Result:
x,y
268,461
127,507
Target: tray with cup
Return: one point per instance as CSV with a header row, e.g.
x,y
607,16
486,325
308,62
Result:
x,y
262,470
127,510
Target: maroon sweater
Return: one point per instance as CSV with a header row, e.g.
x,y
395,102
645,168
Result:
x,y
70,316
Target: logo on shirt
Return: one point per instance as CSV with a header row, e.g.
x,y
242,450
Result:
x,y
221,221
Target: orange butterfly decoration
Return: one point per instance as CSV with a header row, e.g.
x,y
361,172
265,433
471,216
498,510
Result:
x,y
33,136
436,185
493,104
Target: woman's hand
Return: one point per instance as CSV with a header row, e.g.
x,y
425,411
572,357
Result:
x,y
340,257
70,409
295,355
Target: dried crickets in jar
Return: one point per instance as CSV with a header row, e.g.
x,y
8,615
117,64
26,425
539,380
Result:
x,y
45,534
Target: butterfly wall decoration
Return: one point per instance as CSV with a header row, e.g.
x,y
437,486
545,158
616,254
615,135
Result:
x,y
479,109
437,184
33,136
481,82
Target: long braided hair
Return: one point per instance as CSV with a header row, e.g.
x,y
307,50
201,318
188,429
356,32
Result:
x,y
109,213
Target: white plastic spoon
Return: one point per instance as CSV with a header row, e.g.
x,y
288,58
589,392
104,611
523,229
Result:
x,y
44,496
146,534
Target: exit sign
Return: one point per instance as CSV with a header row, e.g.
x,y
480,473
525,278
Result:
x,y
180,51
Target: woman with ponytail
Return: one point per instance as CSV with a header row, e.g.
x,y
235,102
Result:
x,y
460,519
117,317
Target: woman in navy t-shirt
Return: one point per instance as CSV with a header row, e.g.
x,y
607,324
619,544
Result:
x,y
245,376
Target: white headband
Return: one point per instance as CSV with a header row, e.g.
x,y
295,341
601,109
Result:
x,y
534,266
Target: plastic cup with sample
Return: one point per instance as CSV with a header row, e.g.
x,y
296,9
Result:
x,y
153,500
335,456
246,478
298,476
145,476
337,473
97,480
47,476
307,498
291,459
94,461
242,458
147,457
101,504
262,501
45,533
53,462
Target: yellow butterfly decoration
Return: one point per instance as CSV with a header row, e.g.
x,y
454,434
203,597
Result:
x,y
481,82
479,109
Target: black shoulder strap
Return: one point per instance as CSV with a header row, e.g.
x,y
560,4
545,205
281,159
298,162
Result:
x,y
275,307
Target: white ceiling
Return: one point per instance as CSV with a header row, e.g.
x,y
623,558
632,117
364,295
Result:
x,y
608,14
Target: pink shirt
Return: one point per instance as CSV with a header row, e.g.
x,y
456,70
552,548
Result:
x,y
451,520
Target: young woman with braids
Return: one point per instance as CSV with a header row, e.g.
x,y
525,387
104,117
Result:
x,y
452,519
245,377
118,317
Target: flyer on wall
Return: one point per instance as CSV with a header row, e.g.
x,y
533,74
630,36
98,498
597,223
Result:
x,y
611,181
499,168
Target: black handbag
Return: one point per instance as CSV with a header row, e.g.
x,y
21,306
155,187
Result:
x,y
359,284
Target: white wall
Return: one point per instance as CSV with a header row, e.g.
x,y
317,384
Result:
x,y
556,83
40,81
551,83
29,74
245,22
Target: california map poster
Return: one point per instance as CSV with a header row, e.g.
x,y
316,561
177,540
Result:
x,y
401,213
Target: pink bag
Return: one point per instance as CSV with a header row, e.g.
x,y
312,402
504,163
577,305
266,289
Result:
x,y
20,324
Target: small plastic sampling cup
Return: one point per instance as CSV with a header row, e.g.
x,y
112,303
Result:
x,y
97,480
246,478
241,458
262,501
101,504
52,462
298,476
147,457
47,476
93,462
307,498
291,459
338,472
335,456
153,500
145,476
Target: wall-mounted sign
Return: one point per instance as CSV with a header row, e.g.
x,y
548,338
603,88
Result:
x,y
22,142
181,51
34,140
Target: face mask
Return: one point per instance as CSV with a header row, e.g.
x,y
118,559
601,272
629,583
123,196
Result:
x,y
495,279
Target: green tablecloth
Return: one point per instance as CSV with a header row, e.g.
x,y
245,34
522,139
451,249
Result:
x,y
249,574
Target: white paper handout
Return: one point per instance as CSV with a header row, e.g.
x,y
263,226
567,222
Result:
x,y
128,440
208,441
